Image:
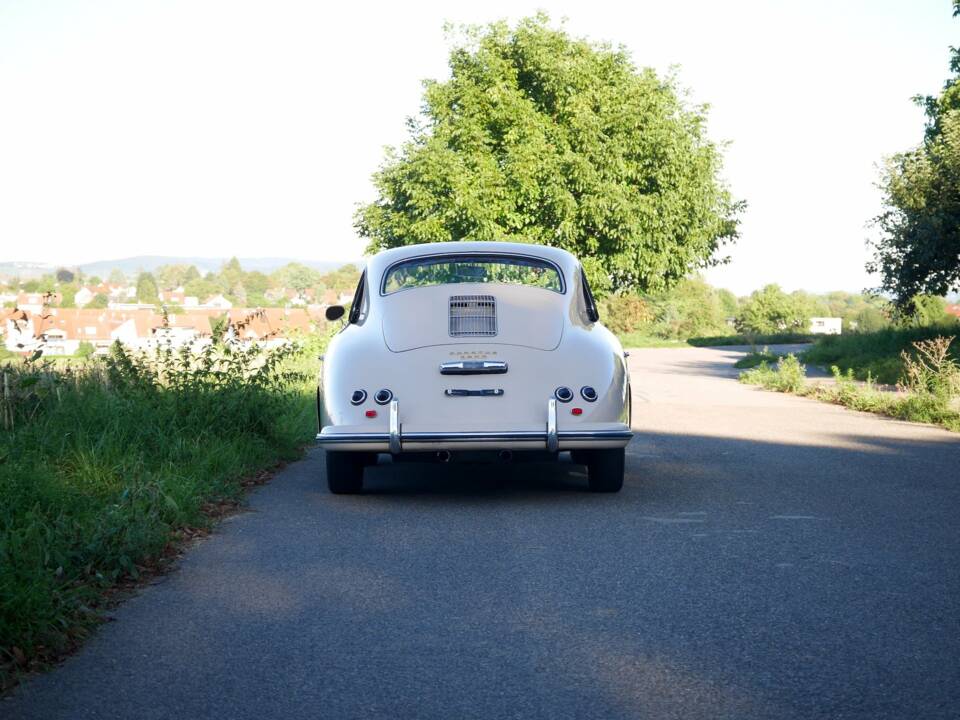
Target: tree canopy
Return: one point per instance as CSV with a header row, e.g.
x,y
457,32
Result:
x,y
771,310
544,138
918,246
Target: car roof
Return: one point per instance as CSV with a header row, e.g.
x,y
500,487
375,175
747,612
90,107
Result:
x,y
377,264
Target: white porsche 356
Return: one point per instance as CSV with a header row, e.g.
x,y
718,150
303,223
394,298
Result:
x,y
471,348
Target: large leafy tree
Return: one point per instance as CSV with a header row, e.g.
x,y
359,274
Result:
x,y
771,310
918,245
544,138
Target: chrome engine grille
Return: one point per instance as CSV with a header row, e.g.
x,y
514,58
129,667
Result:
x,y
473,316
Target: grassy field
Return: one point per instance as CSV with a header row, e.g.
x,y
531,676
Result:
x,y
877,354
101,464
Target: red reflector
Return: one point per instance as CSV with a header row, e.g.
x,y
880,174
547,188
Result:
x,y
371,413
576,411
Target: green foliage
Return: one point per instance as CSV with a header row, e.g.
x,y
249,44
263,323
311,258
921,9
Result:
x,y
101,462
173,276
543,138
930,371
753,359
65,276
770,310
98,301
689,309
201,288
296,276
623,314
918,246
877,354
752,339
147,291
870,319
787,376
926,311
85,350
728,303
117,277
928,390
68,293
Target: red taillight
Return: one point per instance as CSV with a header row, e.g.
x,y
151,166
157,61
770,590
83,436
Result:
x,y
371,413
576,411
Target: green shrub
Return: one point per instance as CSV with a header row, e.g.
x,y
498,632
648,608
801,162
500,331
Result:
x,y
788,375
878,354
85,350
624,314
751,360
928,389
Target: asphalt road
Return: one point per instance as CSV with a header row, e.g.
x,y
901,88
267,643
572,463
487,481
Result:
x,y
769,557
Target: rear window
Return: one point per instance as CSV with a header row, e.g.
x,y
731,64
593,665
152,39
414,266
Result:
x,y
452,269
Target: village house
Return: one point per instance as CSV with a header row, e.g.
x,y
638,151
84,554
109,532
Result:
x,y
34,302
826,326
61,331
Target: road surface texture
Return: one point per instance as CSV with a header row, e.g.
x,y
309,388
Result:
x,y
769,557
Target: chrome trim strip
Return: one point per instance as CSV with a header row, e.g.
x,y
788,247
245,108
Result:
x,y
485,392
348,438
553,442
395,445
471,436
473,367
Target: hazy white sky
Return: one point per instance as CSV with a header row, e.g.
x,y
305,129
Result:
x,y
220,127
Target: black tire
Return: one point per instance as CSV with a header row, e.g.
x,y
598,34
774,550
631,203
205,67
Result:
x,y
604,469
345,471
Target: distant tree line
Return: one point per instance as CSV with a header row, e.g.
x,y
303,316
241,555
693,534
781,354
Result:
x,y
243,288
693,308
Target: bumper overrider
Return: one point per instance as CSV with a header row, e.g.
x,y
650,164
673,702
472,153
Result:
x,y
396,440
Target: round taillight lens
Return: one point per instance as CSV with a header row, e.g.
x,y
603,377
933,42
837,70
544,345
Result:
x,y
563,394
383,396
358,397
588,393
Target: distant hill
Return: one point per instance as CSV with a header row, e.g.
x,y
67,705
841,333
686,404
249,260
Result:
x,y
133,265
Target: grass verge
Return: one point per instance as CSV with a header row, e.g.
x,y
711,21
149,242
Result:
x,y
641,340
101,465
927,392
878,355
775,339
754,359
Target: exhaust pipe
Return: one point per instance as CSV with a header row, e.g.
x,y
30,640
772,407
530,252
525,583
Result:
x,y
506,455
443,456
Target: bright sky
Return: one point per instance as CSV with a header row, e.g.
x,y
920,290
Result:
x,y
220,127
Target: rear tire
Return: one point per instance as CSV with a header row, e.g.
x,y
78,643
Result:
x,y
345,471
604,469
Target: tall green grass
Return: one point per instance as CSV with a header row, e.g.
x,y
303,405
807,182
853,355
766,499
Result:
x,y
100,463
876,354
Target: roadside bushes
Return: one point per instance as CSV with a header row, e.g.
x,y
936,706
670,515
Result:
x,y
877,354
787,376
928,389
101,462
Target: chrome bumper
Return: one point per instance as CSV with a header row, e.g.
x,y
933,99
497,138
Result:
x,y
396,441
